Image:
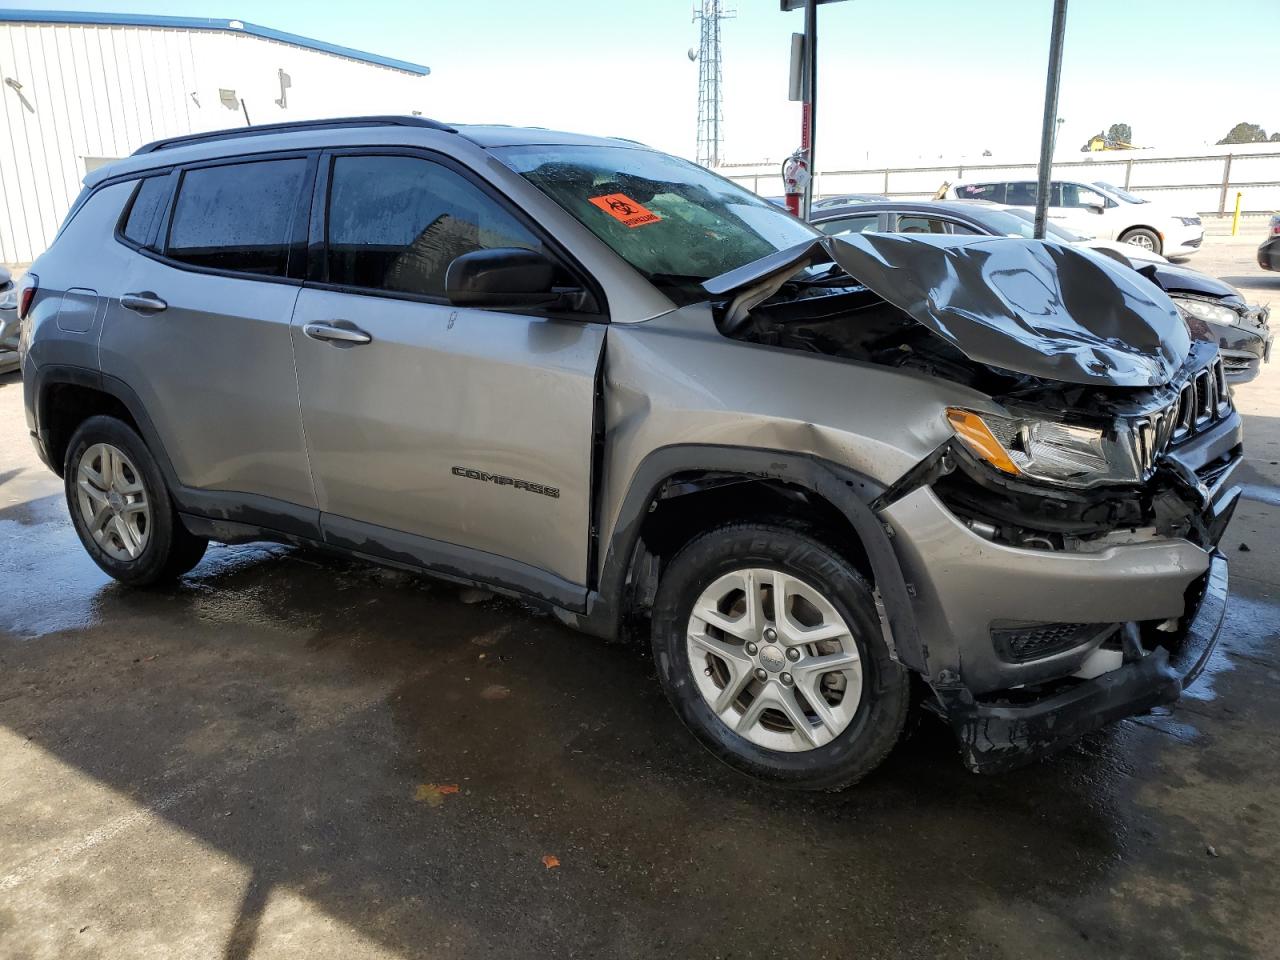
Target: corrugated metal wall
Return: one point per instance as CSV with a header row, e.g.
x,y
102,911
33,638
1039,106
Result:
x,y
81,94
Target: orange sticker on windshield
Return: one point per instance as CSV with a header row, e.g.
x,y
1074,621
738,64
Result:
x,y
625,210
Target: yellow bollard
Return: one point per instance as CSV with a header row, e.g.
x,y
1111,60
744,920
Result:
x,y
1235,219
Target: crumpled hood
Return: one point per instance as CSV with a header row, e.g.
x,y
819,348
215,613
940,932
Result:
x,y
1030,306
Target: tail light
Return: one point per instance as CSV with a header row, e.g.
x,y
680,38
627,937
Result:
x,y
30,284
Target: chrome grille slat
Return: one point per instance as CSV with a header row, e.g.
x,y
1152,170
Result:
x,y
1202,402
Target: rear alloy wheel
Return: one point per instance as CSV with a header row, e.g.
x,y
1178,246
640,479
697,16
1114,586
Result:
x,y
769,646
113,502
1143,238
121,508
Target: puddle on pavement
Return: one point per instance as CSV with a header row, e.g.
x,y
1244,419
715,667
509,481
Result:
x,y
1249,629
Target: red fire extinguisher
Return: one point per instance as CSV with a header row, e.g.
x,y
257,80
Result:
x,y
795,177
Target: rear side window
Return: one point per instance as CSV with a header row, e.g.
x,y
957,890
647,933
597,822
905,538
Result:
x,y
834,228
921,224
1023,193
237,216
396,223
148,203
982,191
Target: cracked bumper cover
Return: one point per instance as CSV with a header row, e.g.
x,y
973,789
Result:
x,y
994,738
962,584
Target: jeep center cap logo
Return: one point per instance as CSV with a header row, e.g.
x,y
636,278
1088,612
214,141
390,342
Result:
x,y
772,658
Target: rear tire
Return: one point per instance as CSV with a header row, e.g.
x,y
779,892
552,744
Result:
x,y
760,694
1144,238
121,508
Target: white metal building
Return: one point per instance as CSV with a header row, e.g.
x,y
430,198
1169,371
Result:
x,y
78,90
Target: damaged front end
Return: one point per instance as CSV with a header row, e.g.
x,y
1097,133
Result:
x,y
1060,547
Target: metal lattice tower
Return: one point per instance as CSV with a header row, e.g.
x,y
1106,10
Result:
x,y
708,14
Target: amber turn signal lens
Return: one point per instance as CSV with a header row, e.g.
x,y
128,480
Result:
x,y
982,443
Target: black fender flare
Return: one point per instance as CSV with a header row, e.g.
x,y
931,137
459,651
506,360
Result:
x,y
49,375
848,491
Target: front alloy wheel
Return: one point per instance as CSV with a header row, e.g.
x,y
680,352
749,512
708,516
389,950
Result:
x,y
770,648
774,659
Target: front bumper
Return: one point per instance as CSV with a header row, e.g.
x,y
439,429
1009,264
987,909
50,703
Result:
x,y
995,737
1269,254
964,584
972,594
1183,241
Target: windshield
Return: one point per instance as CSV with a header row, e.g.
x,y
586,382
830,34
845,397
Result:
x,y
1119,192
1026,220
675,222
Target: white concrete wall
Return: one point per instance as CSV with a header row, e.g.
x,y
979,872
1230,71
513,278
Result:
x,y
1191,181
94,92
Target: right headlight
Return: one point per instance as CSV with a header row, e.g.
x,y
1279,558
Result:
x,y
1207,311
1046,450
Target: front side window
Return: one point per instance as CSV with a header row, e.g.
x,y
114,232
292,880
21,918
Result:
x,y
148,204
1120,192
982,191
676,223
396,223
238,216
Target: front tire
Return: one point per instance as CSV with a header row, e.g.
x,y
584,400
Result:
x,y
801,693
121,508
1143,238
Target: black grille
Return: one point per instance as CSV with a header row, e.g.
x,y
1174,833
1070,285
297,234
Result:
x,y
1204,400
1194,243
1033,641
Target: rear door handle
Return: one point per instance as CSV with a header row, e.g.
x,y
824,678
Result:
x,y
334,334
144,302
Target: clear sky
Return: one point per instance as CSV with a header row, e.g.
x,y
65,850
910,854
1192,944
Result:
x,y
900,79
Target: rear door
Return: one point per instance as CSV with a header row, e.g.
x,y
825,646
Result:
x,y
198,327
456,437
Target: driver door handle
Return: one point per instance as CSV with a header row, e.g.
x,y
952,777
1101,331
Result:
x,y
326,331
144,302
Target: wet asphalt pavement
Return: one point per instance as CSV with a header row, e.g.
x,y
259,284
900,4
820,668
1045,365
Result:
x,y
290,755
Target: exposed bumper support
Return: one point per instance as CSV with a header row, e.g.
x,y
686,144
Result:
x,y
994,738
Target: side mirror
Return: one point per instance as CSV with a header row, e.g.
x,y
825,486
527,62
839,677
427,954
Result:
x,y
501,277
1096,204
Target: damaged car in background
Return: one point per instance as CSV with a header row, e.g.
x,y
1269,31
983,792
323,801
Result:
x,y
827,478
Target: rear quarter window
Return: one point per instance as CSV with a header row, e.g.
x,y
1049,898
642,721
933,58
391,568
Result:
x,y
994,192
237,216
149,200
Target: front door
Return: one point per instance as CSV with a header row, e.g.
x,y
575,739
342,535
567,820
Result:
x,y
456,437
1081,210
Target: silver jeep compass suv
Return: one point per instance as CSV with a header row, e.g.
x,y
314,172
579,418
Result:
x,y
606,381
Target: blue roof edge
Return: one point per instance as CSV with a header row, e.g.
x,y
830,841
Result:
x,y
205,23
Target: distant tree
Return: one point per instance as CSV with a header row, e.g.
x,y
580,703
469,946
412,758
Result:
x,y
1275,138
987,153
1245,133
1116,135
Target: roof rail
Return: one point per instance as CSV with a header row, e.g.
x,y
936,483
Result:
x,y
268,128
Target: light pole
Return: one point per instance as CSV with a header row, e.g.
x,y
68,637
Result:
x,y
1048,130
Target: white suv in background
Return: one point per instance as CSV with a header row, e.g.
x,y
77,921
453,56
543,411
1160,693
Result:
x,y
1095,209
